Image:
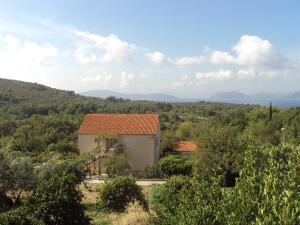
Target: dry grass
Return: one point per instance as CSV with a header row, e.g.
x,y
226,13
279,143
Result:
x,y
90,192
134,215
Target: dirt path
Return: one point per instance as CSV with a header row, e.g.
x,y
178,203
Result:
x,y
139,182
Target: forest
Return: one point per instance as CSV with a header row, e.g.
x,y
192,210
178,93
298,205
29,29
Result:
x,y
244,171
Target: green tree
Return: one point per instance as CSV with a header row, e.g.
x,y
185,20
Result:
x,y
57,200
168,141
220,152
175,165
184,130
116,194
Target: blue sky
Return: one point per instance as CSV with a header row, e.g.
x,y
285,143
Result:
x,y
185,48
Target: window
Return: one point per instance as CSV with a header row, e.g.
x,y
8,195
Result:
x,y
128,142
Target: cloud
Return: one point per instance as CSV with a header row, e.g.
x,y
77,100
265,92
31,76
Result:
x,y
183,81
11,42
185,61
250,51
105,77
18,58
219,57
156,57
216,75
84,55
114,49
251,73
125,79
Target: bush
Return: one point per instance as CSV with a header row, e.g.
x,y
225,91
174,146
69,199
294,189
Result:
x,y
56,200
117,165
5,202
175,165
185,200
115,195
267,192
19,216
153,171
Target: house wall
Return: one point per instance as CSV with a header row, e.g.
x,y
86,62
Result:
x,y
142,150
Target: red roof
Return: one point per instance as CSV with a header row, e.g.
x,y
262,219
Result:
x,y
185,146
120,124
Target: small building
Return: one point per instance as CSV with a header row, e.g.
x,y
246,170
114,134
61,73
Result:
x,y
139,133
185,148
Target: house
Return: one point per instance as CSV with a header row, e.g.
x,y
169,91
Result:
x,y
185,148
139,133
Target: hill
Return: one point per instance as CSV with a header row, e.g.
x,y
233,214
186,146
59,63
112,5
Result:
x,y
278,99
230,95
14,91
156,97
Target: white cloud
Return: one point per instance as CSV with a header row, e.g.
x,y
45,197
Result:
x,y
247,73
251,73
84,55
219,57
11,42
156,57
185,61
115,49
125,79
105,77
250,51
26,60
183,81
216,75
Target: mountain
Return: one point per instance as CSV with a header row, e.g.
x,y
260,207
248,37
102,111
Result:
x,y
14,91
157,97
277,99
268,96
294,95
230,95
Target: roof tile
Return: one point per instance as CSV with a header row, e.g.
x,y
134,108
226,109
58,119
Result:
x,y
120,124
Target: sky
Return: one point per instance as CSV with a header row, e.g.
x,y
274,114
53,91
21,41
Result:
x,y
188,48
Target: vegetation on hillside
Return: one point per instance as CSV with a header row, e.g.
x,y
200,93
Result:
x,y
247,156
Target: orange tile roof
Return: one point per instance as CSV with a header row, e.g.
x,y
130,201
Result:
x,y
120,124
185,146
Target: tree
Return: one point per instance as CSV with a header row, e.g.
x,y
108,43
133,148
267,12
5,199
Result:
x,y
220,152
174,165
168,141
115,195
267,191
16,176
270,111
184,130
117,164
56,200
187,201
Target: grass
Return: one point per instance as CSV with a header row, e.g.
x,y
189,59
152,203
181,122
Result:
x,y
134,214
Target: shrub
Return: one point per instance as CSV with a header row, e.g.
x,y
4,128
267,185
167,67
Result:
x,y
5,202
117,165
19,216
115,195
153,171
56,200
267,191
175,165
185,200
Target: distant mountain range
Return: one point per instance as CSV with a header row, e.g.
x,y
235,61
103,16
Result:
x,y
157,97
277,99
